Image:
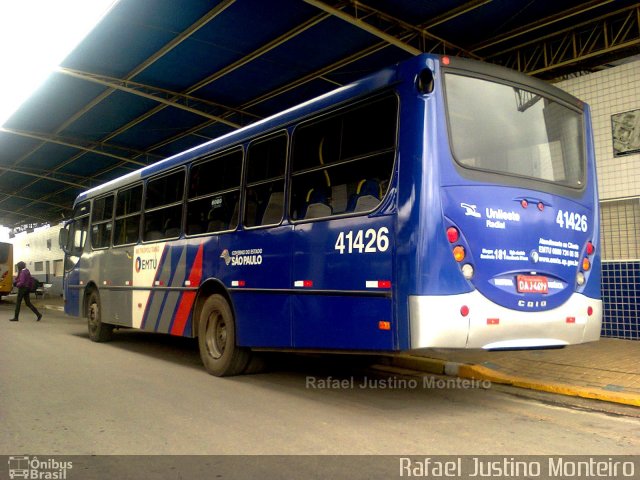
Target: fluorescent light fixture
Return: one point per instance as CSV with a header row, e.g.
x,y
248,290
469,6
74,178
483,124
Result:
x,y
35,37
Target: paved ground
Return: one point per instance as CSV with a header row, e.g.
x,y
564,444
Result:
x,y
606,370
60,393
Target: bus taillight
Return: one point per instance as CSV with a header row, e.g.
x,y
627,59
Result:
x,y
590,248
586,264
458,253
467,271
452,234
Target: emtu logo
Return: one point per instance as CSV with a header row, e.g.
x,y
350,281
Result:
x,y
141,264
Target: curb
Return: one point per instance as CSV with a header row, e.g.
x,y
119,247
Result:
x,y
480,372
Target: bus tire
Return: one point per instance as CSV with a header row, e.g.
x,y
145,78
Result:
x,y
217,339
98,331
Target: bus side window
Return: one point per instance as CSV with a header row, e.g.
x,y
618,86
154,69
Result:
x,y
127,222
264,195
101,218
214,193
343,162
163,206
79,235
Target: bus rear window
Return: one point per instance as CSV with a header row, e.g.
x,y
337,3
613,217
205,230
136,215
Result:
x,y
505,129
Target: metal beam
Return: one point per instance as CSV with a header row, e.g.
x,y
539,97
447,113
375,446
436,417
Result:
x,y
544,22
397,32
39,176
296,83
454,13
24,215
390,39
202,21
93,147
193,28
608,33
35,200
160,95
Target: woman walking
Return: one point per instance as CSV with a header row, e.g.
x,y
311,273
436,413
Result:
x,y
24,282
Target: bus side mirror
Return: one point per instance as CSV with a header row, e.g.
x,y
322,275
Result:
x,y
63,238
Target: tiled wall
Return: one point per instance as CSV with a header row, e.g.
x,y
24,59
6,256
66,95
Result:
x,y
609,92
620,294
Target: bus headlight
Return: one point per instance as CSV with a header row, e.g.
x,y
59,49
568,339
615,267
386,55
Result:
x,y
580,278
467,271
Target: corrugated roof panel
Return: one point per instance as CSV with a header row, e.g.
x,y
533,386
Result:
x,y
87,164
54,103
132,32
110,114
315,48
163,125
237,32
13,147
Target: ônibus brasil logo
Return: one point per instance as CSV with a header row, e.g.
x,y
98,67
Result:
x,y
151,263
24,466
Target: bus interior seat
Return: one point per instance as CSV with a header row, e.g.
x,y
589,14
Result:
x,y
194,229
367,196
219,219
251,212
153,235
131,233
234,217
170,229
216,223
317,204
339,198
273,212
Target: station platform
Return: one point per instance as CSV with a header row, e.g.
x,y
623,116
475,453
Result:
x,y
607,370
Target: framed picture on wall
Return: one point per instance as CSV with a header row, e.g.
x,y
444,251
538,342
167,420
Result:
x,y
625,129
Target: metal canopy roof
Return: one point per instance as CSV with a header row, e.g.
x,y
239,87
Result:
x,y
156,77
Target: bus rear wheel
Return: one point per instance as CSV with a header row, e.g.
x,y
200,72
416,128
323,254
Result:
x,y
98,331
217,339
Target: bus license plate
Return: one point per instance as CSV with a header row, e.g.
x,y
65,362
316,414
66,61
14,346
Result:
x,y
532,284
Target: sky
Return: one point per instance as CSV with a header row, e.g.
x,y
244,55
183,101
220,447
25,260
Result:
x,y
35,37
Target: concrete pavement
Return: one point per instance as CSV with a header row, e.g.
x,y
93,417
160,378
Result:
x,y
607,370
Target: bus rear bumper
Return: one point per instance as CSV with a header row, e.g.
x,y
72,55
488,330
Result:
x,y
437,322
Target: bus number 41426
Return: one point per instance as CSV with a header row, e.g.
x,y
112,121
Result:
x,y
363,241
572,221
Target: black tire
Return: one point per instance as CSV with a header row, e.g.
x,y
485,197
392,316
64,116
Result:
x,y
258,363
98,331
217,339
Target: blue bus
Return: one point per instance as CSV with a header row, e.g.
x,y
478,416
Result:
x,y
440,202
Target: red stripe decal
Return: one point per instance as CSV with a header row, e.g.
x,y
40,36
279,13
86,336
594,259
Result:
x,y
187,299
